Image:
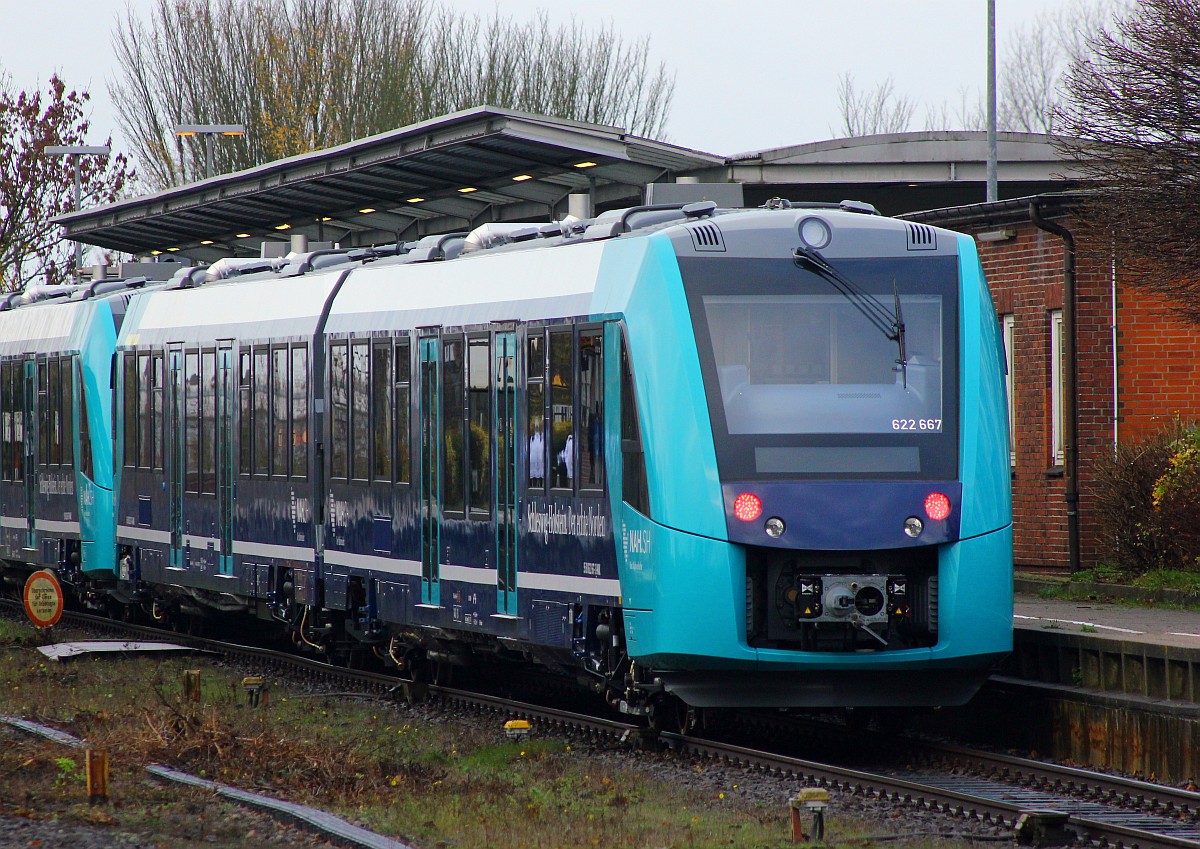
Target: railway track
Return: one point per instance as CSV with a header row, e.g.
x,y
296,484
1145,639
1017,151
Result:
x,y
1104,810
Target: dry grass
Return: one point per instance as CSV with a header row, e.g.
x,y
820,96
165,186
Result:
x,y
431,782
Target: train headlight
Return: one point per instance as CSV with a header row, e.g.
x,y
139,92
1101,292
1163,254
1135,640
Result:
x,y
747,507
775,527
913,526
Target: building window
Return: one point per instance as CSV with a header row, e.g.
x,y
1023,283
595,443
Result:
x,y
1008,326
1056,387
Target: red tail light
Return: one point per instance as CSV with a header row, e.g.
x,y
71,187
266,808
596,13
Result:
x,y
937,506
747,507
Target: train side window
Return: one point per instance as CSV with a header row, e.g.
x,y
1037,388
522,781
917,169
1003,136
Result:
x,y
208,422
591,410
129,390
360,410
261,429
245,412
453,402
403,439
339,402
479,425
145,420
281,451
562,412
85,429
634,490
300,412
535,371
66,420
191,416
156,408
381,410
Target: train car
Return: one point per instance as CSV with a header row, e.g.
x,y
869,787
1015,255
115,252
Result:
x,y
56,345
746,457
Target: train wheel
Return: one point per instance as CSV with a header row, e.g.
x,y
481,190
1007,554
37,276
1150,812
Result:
x,y
442,673
671,714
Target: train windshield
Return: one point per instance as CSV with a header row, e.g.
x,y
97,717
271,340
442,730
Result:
x,y
801,384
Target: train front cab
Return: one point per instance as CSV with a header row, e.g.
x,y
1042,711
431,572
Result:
x,y
55,474
721,607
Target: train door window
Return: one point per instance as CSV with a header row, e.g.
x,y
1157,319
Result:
x,y
634,490
18,420
245,413
53,409
535,376
208,422
156,408
453,386
403,439
191,417
65,420
43,405
339,398
360,410
479,425
381,410
129,396
281,451
85,429
591,410
300,412
562,411
6,422
145,420
261,426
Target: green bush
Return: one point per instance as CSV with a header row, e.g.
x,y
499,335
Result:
x,y
1147,498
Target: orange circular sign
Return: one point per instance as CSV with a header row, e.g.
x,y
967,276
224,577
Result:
x,y
43,598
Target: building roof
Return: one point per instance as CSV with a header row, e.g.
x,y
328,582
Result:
x,y
401,184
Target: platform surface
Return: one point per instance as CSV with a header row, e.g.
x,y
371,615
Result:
x,y
1102,620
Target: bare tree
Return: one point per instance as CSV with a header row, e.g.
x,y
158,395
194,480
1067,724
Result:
x,y
304,74
1033,61
879,110
1134,106
35,187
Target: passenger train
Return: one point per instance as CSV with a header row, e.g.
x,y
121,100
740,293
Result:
x,y
714,457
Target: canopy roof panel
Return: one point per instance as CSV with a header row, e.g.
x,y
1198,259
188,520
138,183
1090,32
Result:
x,y
449,173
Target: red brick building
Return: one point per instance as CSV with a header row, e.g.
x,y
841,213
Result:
x,y
1137,367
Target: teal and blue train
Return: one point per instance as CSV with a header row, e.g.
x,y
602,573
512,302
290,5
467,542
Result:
x,y
698,456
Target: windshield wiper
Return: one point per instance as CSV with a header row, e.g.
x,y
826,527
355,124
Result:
x,y
887,322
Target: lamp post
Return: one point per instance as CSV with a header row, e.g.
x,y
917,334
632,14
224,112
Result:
x,y
209,131
75,151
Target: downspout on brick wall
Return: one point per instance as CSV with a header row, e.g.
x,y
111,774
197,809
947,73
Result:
x,y
1070,412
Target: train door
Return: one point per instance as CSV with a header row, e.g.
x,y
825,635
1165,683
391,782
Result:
x,y
429,411
224,455
173,467
31,458
504,389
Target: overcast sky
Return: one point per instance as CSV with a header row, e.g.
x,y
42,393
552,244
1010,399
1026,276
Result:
x,y
749,75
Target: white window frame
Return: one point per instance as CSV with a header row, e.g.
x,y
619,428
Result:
x,y
1056,387
1008,327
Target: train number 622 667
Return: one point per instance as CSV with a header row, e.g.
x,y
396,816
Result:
x,y
917,424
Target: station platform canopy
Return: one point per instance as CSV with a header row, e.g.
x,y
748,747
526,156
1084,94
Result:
x,y
488,164
447,174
